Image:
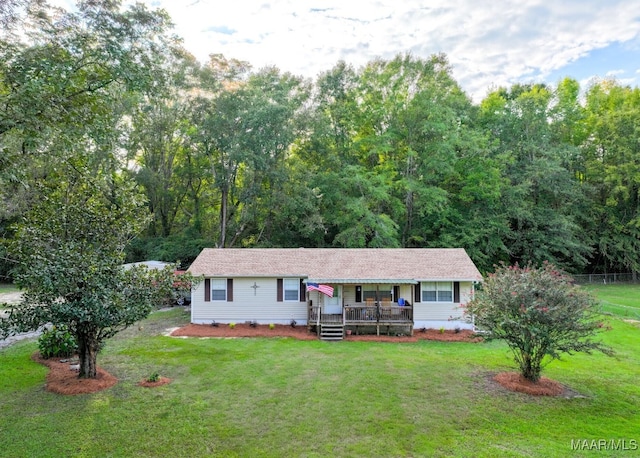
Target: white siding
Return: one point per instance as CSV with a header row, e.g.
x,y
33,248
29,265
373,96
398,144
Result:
x,y
261,305
249,304
435,311
443,314
466,292
406,292
349,295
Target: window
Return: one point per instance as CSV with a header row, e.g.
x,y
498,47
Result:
x,y
437,292
382,293
369,296
292,289
218,289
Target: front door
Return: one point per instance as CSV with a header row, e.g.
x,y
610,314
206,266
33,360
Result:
x,y
333,305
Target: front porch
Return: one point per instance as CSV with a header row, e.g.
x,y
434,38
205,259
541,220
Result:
x,y
376,315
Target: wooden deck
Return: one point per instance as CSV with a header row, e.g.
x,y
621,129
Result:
x,y
359,316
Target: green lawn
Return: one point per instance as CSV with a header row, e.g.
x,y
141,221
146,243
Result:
x,y
281,397
8,288
618,299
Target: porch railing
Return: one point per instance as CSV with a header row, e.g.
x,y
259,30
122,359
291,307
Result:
x,y
363,314
366,314
315,314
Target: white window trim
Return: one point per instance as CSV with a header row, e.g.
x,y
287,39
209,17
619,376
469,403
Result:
x,y
437,284
224,283
285,289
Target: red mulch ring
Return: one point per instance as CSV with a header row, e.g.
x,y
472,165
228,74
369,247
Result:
x,y
516,382
301,333
244,330
63,380
161,381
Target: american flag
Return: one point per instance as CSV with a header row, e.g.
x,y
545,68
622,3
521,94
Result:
x,y
324,289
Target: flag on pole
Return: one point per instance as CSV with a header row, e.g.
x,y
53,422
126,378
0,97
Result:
x,y
324,289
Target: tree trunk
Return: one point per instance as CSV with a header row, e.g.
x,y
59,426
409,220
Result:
x,y
408,226
530,367
88,353
224,197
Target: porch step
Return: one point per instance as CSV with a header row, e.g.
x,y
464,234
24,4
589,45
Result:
x,y
331,332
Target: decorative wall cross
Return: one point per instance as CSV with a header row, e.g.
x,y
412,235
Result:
x,y
255,288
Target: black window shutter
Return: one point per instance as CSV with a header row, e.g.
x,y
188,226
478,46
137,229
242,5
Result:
x,y
280,289
358,293
207,290
456,291
229,289
417,292
303,293
396,293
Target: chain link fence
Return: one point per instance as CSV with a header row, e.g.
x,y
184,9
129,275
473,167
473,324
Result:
x,y
606,279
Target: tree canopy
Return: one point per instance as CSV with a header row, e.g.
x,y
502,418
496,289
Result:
x,y
69,253
66,94
392,154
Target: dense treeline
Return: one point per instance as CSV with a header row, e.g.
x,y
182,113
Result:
x,y
393,154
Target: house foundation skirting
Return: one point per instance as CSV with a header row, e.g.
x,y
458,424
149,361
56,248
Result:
x,y
442,324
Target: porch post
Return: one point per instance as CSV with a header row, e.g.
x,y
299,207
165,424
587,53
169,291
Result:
x,y
343,310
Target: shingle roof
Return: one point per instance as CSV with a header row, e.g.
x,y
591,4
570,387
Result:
x,y
149,264
340,265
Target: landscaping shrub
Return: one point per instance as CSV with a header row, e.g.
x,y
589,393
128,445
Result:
x,y
539,313
57,342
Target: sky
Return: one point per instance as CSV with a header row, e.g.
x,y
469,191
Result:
x,y
489,43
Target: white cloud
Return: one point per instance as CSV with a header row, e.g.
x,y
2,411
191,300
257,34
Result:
x,y
487,42
627,81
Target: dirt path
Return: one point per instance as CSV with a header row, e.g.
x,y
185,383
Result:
x,y
13,298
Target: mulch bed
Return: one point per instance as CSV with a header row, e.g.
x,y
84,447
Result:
x,y
516,382
161,381
243,330
301,333
63,380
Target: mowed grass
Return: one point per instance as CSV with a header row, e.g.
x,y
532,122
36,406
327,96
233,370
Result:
x,y
281,397
8,288
618,299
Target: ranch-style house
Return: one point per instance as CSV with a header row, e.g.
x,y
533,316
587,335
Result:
x,y
333,289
